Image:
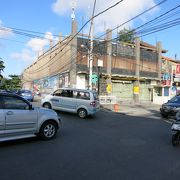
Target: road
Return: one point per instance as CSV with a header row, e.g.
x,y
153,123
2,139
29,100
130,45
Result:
x,y
107,146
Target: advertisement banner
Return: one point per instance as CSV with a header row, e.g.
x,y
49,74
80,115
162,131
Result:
x,y
178,69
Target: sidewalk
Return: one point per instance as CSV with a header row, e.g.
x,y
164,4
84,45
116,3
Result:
x,y
133,109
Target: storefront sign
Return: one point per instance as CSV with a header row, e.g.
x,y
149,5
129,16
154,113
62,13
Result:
x,y
177,69
166,82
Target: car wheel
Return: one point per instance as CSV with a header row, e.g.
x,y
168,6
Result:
x,y
48,130
47,105
174,140
82,113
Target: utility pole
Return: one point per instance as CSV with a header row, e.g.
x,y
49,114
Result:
x,y
91,54
137,71
73,48
109,60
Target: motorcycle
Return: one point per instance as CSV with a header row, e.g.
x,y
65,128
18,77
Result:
x,y
176,130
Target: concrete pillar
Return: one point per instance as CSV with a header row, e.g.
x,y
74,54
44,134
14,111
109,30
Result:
x,y
73,55
109,57
136,87
159,52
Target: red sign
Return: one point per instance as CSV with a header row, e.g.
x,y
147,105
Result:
x,y
166,82
177,69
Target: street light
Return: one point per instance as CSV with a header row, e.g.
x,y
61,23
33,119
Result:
x,y
90,64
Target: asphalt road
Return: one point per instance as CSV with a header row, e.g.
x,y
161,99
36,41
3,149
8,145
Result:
x,y
109,146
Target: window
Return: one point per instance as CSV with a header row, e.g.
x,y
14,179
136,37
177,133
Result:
x,y
95,96
83,95
57,92
166,91
15,103
175,99
158,91
67,93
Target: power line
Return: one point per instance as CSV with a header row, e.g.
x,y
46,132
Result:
x,y
89,21
136,16
93,18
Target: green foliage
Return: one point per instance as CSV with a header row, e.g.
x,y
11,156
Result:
x,y
127,35
1,65
11,84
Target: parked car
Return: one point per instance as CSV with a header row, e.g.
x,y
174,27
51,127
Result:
x,y
27,94
80,101
171,107
19,119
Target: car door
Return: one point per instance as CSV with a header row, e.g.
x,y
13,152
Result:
x,y
19,118
67,101
2,117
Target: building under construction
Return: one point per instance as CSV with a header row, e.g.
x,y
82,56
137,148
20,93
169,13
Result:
x,y
131,71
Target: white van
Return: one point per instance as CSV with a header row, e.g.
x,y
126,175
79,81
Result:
x,y
80,101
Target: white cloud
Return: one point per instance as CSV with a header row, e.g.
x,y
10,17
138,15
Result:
x,y
25,55
113,17
38,45
5,32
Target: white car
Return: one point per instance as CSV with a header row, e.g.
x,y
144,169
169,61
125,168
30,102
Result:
x,y
19,119
80,101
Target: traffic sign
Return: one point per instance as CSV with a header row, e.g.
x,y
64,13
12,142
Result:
x,y
94,78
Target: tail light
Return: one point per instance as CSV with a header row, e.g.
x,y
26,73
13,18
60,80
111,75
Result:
x,y
93,103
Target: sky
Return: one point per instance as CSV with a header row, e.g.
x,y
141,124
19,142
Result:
x,y
49,18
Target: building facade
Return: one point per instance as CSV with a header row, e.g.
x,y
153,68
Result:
x,y
130,72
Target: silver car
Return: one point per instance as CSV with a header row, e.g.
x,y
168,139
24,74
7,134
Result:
x,y
80,101
19,119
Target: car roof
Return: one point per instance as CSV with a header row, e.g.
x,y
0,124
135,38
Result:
x,y
12,94
4,93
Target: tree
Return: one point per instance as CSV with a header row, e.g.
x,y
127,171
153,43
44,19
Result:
x,y
11,84
1,69
1,65
127,35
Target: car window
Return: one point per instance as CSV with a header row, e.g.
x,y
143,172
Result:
x,y
57,92
175,99
83,95
95,95
67,93
15,103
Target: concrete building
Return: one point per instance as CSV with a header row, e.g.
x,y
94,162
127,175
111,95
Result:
x,y
132,72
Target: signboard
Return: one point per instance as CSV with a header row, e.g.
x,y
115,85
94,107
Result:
x,y
94,78
136,90
177,69
166,82
109,88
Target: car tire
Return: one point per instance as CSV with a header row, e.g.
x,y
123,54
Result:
x,y
47,105
48,130
82,113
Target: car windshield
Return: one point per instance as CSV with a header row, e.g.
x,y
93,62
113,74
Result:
x,y
25,91
175,99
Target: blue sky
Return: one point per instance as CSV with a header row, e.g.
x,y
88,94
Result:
x,y
54,16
